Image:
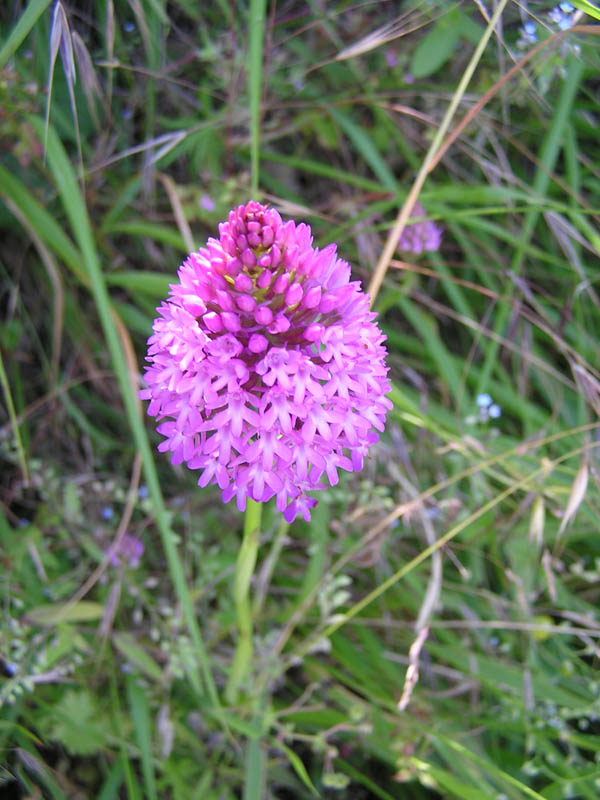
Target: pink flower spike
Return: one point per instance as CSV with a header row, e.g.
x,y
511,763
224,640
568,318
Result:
x,y
266,368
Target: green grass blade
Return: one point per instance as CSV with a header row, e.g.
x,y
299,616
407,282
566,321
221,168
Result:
x,y
43,222
154,284
140,714
26,22
313,167
112,783
76,211
158,233
254,778
492,768
548,155
364,144
425,326
13,420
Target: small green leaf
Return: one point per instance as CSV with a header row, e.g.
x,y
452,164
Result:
x,y
436,48
127,646
55,613
299,768
78,723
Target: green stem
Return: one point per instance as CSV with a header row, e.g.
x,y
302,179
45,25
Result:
x,y
257,27
244,570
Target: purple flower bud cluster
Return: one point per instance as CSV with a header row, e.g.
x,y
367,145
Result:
x,y
267,368
419,237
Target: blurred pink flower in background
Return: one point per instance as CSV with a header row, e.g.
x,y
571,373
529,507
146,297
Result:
x,y
131,550
419,237
207,203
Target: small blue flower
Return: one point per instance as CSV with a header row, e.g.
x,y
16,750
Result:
x,y
483,400
143,492
494,411
107,512
562,15
528,33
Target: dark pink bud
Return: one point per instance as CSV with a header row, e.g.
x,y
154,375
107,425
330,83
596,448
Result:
x,y
234,266
275,256
248,258
281,283
213,322
293,294
314,332
246,302
243,283
267,236
263,315
227,243
264,279
257,343
312,297
279,325
231,321
225,300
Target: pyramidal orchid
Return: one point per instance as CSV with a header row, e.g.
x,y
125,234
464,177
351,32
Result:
x,y
266,367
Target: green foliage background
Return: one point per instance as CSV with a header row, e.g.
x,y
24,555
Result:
x,y
467,547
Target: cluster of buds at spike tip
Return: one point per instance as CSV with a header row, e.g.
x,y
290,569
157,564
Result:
x,y
266,367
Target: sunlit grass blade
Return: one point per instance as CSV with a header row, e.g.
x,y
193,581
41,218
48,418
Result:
x,y
77,214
